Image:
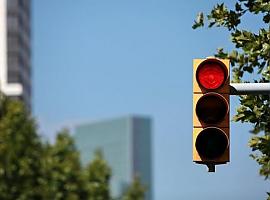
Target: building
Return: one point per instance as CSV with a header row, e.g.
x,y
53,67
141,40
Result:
x,y
15,49
126,145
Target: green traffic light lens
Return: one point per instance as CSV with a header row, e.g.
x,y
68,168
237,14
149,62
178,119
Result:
x,y
211,143
212,108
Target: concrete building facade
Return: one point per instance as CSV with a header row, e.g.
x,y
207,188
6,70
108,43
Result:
x,y
127,146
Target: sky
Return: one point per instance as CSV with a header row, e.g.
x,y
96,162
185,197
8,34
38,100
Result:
x,y
100,59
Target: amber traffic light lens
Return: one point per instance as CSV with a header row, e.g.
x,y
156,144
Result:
x,y
211,143
211,108
211,74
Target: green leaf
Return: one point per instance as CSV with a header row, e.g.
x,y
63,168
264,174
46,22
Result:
x,y
199,22
238,7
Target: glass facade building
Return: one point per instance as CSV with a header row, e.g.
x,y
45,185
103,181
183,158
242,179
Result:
x,y
126,145
15,49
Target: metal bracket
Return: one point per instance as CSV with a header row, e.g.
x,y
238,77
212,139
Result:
x,y
249,88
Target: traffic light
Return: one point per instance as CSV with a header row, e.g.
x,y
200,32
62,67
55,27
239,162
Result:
x,y
211,105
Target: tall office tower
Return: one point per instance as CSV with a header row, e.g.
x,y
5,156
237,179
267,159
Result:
x,y
126,145
15,49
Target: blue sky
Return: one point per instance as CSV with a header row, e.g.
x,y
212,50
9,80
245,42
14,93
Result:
x,y
97,59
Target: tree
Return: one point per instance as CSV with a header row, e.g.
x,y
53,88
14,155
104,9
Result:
x,y
136,191
32,170
63,171
20,152
251,55
98,175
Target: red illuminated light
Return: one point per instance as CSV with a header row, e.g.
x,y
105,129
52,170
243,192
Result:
x,y
211,74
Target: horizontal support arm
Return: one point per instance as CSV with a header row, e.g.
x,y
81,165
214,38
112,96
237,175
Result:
x,y
249,88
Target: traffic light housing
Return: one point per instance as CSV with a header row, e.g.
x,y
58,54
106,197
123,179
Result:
x,y
211,105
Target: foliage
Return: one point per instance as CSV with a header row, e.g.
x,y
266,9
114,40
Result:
x,y
20,150
61,164
251,55
98,175
136,191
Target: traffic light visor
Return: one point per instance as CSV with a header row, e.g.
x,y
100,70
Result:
x,y
212,108
211,74
211,143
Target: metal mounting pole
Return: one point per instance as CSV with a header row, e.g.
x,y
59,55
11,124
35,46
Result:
x,y
211,167
249,88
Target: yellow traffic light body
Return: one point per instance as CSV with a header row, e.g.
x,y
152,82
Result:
x,y
211,102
